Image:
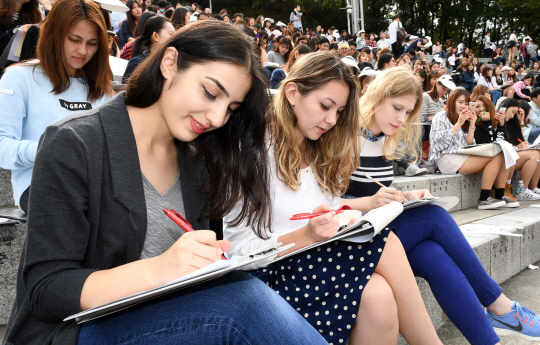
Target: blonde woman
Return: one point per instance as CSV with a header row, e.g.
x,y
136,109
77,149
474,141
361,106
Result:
x,y
355,292
435,246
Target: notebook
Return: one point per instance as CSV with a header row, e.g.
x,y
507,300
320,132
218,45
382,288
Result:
x,y
446,202
363,230
212,271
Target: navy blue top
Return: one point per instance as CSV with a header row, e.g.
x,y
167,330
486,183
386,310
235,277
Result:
x,y
133,63
415,43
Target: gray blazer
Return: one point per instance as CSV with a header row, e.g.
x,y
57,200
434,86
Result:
x,y
87,212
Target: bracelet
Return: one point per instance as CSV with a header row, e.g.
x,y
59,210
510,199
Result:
x,y
472,129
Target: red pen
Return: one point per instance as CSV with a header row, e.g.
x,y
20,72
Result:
x,y
182,222
520,140
313,215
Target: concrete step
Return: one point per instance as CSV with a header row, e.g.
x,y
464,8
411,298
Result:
x,y
6,191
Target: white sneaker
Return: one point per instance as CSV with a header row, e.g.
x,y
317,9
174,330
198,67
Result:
x,y
510,203
537,191
530,195
490,203
414,170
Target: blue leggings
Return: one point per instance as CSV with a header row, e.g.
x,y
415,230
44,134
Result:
x,y
439,253
234,309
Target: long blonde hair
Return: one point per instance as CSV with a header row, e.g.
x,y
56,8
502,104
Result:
x,y
334,156
395,82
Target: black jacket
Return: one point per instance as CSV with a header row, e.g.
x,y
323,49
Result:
x,y
484,133
87,212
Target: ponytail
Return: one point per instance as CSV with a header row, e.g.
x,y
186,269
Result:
x,y
154,24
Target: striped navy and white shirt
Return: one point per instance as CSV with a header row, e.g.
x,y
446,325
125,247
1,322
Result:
x,y
372,163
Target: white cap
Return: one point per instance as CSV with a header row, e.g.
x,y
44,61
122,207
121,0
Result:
x,y
359,32
527,38
280,23
350,62
335,34
446,80
505,68
368,72
277,33
269,19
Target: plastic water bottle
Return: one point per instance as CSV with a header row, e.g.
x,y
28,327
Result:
x,y
521,192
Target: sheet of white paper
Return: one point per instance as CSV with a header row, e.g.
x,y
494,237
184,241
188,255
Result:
x,y
510,154
537,141
480,230
533,267
118,67
18,36
535,205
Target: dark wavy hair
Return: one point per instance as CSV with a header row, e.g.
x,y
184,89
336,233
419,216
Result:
x,y
235,154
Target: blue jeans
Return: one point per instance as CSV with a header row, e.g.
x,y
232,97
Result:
x,y
528,61
438,252
503,59
496,94
533,134
234,309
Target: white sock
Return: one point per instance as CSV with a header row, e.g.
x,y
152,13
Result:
x,y
508,181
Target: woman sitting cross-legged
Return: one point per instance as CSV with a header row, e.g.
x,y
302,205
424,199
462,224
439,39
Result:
x,y
363,292
451,130
96,229
435,246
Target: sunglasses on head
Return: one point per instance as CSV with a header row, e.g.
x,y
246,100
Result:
x,y
110,34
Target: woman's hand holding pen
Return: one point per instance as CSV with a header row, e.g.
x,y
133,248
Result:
x,y
384,196
323,226
194,250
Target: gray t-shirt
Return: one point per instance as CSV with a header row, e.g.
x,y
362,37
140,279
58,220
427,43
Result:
x,y
161,232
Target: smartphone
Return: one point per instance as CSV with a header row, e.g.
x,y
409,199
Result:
x,y
422,62
472,106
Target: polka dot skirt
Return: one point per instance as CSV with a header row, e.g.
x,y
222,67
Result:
x,y
325,284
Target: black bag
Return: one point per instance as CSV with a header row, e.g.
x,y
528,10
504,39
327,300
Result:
x,y
401,34
510,44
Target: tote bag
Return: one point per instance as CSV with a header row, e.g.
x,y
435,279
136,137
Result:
x,y
484,150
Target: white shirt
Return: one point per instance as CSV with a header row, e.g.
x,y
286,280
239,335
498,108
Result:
x,y
116,18
285,203
483,81
381,44
392,30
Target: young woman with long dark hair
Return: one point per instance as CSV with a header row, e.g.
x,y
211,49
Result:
x,y
435,246
132,18
139,29
71,74
191,121
282,49
313,149
157,30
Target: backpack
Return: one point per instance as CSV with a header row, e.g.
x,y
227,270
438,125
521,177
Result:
x,y
401,34
530,50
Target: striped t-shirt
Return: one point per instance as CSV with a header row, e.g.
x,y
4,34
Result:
x,y
372,163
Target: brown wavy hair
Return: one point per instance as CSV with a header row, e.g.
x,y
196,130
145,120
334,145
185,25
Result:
x,y
178,19
50,47
335,155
